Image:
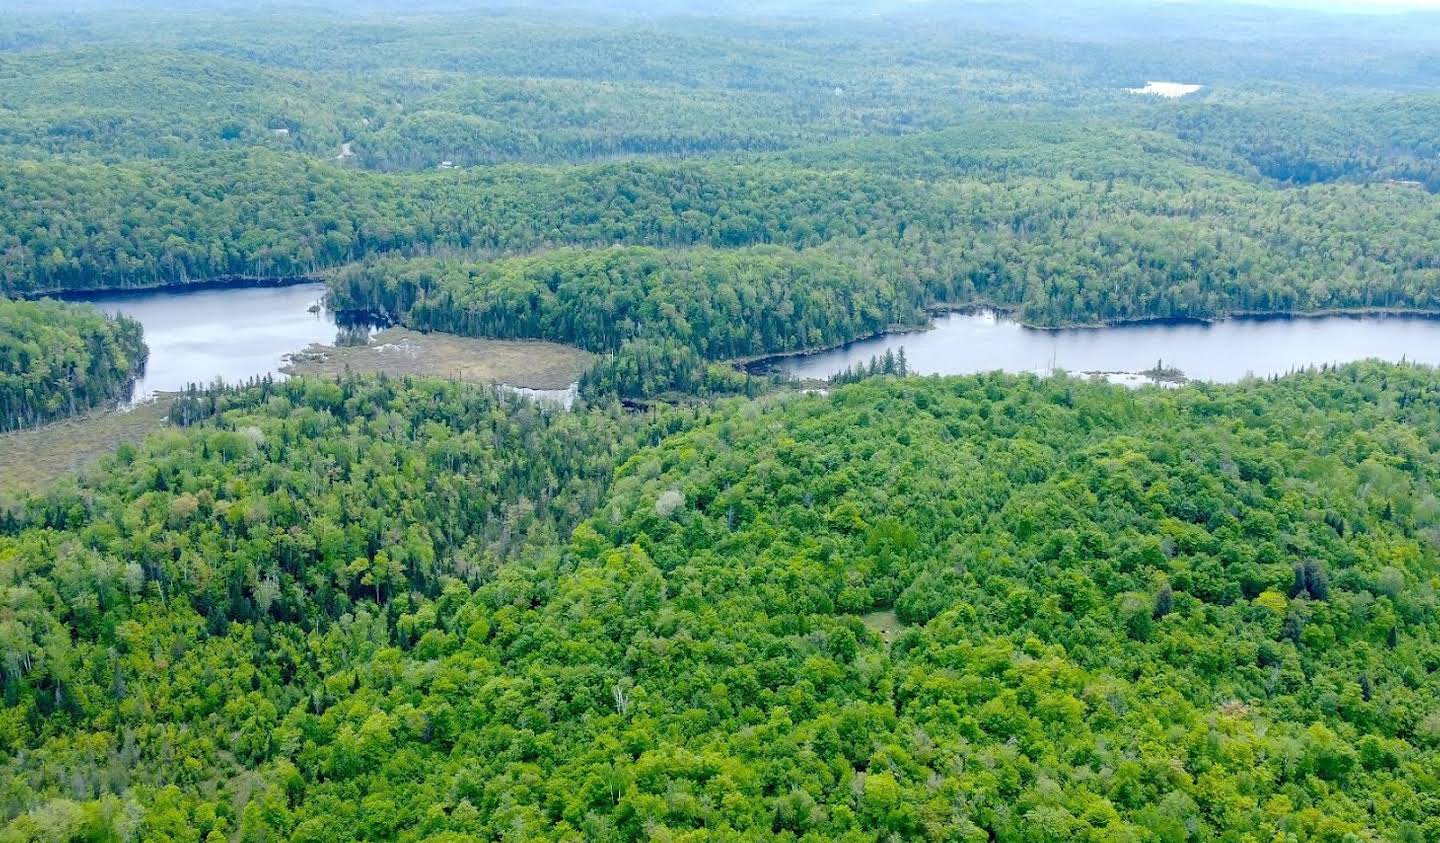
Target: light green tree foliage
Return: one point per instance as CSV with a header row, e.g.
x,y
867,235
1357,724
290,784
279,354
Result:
x,y
1155,615
58,359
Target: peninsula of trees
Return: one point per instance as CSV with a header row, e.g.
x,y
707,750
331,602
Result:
x,y
60,359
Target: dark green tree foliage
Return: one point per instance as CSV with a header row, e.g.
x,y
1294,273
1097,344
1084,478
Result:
x,y
59,359
724,304
1063,250
260,213
989,608
970,608
1306,139
888,363
959,163
645,368
410,89
661,315
480,88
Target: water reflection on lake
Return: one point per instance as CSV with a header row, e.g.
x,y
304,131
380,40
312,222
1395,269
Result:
x,y
1225,351
235,334
196,336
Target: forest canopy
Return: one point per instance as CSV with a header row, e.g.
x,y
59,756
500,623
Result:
x,y
661,315
701,605
991,607
57,359
953,162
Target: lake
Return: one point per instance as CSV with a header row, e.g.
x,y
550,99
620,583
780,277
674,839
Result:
x,y
1168,90
196,336
238,333
1224,351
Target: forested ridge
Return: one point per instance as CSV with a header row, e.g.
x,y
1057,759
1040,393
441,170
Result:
x,y
1057,251
477,86
956,164
1064,250
58,359
1080,247
358,610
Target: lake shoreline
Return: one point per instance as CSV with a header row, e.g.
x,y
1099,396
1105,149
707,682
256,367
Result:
x,y
1012,312
219,282
767,363
1130,346
762,364
745,364
1009,311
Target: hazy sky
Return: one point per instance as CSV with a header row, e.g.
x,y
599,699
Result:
x,y
1356,4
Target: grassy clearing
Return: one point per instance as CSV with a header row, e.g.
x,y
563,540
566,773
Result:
x,y
885,623
32,459
401,351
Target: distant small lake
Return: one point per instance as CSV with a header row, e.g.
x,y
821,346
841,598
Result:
x,y
1169,90
196,336
1224,351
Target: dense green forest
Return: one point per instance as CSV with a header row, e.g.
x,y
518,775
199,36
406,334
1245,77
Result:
x,y
478,85
1082,246
972,608
703,605
957,160
872,254
660,314
58,359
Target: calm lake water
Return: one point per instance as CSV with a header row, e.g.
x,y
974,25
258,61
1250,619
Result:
x,y
196,336
1225,351
1169,90
236,334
